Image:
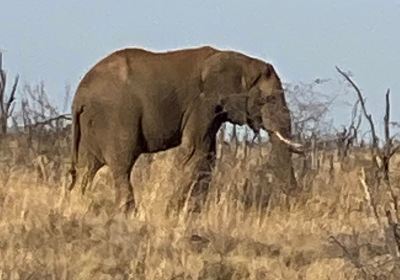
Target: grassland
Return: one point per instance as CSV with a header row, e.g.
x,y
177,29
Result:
x,y
335,227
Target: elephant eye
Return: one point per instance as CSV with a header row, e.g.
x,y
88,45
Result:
x,y
267,99
260,101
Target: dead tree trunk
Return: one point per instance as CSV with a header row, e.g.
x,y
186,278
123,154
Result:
x,y
388,150
314,153
6,103
220,142
235,140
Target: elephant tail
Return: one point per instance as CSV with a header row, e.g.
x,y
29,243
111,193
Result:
x,y
76,137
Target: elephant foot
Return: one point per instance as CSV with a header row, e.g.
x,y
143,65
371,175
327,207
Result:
x,y
194,207
194,204
187,207
197,203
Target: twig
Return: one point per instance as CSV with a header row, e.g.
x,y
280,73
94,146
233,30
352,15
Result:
x,y
356,262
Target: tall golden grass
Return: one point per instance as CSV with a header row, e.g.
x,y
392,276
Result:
x,y
326,231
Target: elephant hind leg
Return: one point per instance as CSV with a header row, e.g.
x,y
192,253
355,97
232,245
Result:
x,y
121,162
125,198
93,165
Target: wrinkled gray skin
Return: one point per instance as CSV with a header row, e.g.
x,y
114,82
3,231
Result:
x,y
135,101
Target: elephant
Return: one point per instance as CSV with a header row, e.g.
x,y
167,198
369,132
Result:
x,y
137,101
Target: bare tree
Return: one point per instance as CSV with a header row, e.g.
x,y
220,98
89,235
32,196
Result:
x,y
381,155
309,108
42,121
38,112
6,102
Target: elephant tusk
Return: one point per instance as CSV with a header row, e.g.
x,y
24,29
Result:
x,y
294,147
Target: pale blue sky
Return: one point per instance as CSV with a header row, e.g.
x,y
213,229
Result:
x,y
57,41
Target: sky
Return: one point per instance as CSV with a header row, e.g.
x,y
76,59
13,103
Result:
x,y
58,41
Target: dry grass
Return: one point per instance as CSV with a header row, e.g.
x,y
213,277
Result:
x,y
328,231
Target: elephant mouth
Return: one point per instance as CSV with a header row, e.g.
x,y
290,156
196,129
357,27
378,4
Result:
x,y
256,126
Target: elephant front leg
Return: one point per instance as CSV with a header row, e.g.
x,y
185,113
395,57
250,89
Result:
x,y
125,199
196,157
194,165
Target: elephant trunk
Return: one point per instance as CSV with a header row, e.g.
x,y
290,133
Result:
x,y
277,121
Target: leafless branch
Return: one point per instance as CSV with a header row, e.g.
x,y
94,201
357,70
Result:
x,y
11,98
394,150
364,109
387,117
350,256
48,121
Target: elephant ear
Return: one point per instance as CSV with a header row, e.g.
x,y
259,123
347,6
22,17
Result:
x,y
221,72
220,79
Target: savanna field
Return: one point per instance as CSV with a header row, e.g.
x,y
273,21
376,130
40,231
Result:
x,y
264,138
340,224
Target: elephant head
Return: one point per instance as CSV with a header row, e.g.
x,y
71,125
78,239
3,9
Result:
x,y
249,91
